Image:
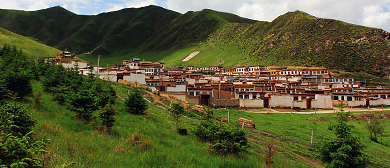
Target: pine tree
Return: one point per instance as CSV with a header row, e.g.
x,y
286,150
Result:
x,y
345,150
135,103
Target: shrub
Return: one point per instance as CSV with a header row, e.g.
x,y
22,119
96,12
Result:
x,y
222,138
375,127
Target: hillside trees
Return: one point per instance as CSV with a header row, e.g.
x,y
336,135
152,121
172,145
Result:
x,y
345,150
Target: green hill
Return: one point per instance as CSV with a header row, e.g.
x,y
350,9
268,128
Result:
x,y
157,34
28,45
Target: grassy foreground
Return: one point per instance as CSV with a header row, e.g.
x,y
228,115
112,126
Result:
x,y
151,140
137,141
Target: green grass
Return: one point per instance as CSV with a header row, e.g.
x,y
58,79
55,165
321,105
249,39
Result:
x,y
298,127
29,46
160,146
151,140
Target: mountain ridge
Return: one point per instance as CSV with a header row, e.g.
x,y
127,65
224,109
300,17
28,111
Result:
x,y
156,34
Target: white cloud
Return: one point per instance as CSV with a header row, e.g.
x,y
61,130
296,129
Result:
x,y
37,5
376,16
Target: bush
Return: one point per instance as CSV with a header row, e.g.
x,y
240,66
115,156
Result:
x,y
375,127
222,138
135,103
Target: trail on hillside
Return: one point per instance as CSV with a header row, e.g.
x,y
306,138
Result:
x,y
297,155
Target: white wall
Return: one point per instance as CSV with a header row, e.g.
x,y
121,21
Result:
x,y
356,103
251,103
280,101
379,102
139,78
178,88
322,101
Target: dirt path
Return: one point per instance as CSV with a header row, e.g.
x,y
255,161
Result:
x,y
296,154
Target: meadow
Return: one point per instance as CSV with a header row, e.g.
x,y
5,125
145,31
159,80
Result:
x,y
151,140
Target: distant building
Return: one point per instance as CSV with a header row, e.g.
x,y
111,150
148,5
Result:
x,y
65,55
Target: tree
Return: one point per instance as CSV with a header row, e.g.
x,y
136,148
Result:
x,y
345,150
375,127
17,115
107,116
135,103
16,72
176,110
16,148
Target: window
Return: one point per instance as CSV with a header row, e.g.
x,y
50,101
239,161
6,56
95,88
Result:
x,y
349,98
335,97
342,97
383,96
295,98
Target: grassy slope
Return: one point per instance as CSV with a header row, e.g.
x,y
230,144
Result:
x,y
74,141
159,145
29,46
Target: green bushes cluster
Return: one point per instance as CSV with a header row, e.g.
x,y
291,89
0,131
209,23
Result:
x,y
222,137
83,95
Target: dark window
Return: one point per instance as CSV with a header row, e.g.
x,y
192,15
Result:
x,y
383,96
335,97
295,98
349,98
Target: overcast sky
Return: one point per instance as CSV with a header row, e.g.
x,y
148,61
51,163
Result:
x,y
372,13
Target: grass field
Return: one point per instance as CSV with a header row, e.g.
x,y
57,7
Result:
x,y
151,140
